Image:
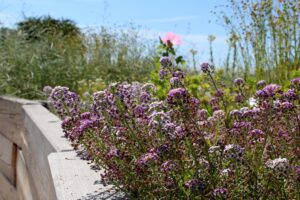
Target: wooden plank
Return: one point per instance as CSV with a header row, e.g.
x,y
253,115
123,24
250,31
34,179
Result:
x,y
6,150
7,190
7,171
11,126
7,158
73,178
43,135
23,184
11,117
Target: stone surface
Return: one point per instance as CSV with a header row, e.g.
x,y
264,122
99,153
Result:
x,y
73,178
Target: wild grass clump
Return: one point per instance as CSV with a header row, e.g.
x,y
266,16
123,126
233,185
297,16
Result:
x,y
264,38
44,51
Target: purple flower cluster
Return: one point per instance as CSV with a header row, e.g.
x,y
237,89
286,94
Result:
x,y
220,192
279,166
194,184
295,83
233,152
168,166
269,91
239,82
177,96
166,62
183,147
65,102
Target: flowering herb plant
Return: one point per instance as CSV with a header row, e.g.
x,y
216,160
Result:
x,y
177,149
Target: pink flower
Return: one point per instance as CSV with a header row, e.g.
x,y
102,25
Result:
x,y
172,38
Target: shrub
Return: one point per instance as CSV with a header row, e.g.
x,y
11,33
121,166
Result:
x,y
176,149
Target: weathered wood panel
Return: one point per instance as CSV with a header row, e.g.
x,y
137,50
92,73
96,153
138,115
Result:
x,y
7,190
23,183
43,136
7,158
38,133
11,118
6,150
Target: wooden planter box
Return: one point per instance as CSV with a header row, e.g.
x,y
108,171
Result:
x,y
37,162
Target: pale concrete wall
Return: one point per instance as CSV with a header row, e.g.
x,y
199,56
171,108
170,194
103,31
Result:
x,y
37,162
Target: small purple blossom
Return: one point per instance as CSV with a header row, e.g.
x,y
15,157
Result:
x,y
239,82
235,113
261,83
202,114
291,94
179,132
163,73
175,82
269,91
279,165
220,192
194,184
214,102
85,115
219,114
47,90
239,98
145,97
165,62
234,152
178,74
295,82
113,152
206,68
65,102
168,166
256,133
147,158
219,93
84,125
177,95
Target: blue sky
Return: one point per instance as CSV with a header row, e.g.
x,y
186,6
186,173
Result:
x,y
189,18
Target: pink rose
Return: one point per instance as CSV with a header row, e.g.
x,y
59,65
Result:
x,y
172,38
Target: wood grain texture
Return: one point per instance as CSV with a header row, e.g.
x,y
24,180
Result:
x,y
11,117
43,135
23,184
7,190
8,158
